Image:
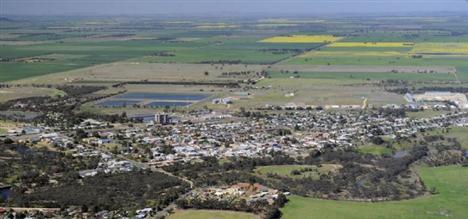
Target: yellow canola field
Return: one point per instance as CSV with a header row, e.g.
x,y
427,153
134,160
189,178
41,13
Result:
x,y
371,44
301,39
441,48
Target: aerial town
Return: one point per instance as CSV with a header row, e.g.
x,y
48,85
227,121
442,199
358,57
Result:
x,y
293,110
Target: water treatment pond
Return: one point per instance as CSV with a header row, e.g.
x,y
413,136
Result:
x,y
153,100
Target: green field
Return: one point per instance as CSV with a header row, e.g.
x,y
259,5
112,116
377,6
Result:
x,y
374,149
108,40
210,214
362,56
78,54
367,76
285,170
451,182
382,56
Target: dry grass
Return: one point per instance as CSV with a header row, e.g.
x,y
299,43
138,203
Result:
x,y
7,94
317,92
134,71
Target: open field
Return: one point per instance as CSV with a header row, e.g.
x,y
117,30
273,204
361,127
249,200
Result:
x,y
372,44
317,92
366,69
441,48
308,170
358,57
427,62
34,52
135,71
217,55
301,39
75,55
428,57
366,76
21,92
210,214
451,183
374,149
7,125
161,88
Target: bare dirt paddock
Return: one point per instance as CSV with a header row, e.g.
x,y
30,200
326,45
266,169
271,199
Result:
x,y
366,69
133,71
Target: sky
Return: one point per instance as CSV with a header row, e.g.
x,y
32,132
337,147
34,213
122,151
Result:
x,y
227,7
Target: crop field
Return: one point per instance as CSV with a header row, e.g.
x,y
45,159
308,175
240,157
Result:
x,y
46,58
365,72
451,183
366,69
211,214
416,36
372,44
202,50
36,52
393,52
441,48
351,53
376,76
301,39
362,57
217,55
355,56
